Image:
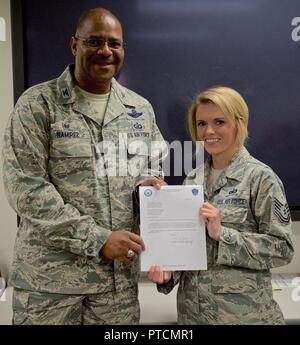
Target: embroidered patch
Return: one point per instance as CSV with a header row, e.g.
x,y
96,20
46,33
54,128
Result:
x,y
137,126
65,134
135,114
138,135
233,201
282,211
65,93
233,191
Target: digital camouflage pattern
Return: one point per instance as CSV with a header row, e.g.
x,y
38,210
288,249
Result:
x,y
255,236
53,160
113,308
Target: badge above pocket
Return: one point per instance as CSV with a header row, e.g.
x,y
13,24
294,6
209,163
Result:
x,y
70,139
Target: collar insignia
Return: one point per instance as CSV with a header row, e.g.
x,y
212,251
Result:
x,y
65,93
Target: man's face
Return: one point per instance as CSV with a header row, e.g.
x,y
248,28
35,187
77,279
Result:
x,y
99,52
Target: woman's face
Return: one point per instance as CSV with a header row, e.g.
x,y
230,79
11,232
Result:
x,y
217,131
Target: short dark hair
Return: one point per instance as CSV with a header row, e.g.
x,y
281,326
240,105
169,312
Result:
x,y
89,13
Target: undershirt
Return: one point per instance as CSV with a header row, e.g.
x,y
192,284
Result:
x,y
98,102
213,177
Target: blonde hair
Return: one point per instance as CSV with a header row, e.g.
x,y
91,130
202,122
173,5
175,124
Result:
x,y
230,102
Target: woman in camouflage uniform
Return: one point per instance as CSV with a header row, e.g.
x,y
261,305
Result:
x,y
247,220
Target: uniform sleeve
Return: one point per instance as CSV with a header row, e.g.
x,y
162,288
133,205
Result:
x,y
29,189
268,244
158,151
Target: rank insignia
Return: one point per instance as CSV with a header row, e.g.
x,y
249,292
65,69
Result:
x,y
282,211
65,93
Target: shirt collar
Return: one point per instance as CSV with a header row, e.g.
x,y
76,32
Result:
x,y
236,167
67,93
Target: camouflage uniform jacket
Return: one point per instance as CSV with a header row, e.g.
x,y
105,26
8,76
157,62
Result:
x,y
53,159
255,236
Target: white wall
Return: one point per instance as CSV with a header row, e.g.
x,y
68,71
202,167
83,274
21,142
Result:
x,y
7,215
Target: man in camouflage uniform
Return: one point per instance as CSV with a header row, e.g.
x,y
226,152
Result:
x,y
69,172
247,219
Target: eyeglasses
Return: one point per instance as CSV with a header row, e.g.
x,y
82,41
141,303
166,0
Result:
x,y
99,42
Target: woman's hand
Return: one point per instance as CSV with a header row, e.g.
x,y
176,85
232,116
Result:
x,y
212,219
157,276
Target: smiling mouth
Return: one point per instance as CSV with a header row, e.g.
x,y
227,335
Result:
x,y
103,62
212,140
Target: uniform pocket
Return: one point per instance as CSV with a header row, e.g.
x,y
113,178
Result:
x,y
70,139
234,215
71,147
233,281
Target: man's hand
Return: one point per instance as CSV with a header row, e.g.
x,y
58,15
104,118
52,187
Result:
x,y
154,182
119,242
157,276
